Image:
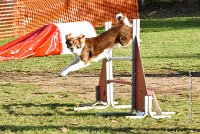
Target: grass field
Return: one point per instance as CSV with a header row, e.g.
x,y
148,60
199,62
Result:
x,y
170,47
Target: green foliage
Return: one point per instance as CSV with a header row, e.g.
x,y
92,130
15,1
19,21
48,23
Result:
x,y
158,2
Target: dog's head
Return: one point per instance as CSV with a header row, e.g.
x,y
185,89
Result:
x,y
75,44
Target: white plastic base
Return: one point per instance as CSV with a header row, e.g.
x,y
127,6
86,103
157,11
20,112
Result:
x,y
148,111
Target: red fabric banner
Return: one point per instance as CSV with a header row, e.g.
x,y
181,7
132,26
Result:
x,y
41,42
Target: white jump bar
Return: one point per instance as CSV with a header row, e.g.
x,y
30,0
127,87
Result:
x,y
119,58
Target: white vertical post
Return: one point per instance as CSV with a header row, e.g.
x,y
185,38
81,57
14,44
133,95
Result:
x,y
146,104
109,70
190,98
150,104
108,25
136,29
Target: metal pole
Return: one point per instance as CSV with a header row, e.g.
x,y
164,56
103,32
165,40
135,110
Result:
x,y
190,98
133,65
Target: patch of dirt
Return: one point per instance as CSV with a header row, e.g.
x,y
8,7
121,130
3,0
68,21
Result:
x,y
84,85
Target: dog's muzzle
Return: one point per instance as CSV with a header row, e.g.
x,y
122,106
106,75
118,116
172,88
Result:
x,y
71,49
68,44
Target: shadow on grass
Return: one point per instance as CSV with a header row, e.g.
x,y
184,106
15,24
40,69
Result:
x,y
14,128
156,25
91,129
169,24
131,129
53,106
177,74
196,55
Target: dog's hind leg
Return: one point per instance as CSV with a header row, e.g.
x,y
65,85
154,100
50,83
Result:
x,y
75,65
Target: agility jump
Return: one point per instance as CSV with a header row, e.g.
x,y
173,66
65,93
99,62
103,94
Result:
x,y
142,100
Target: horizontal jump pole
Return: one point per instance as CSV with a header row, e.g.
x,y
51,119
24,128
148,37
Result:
x,y
120,82
120,58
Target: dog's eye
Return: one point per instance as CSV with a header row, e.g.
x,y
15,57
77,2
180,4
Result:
x,y
67,42
79,46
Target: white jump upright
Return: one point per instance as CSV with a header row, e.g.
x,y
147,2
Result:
x,y
142,100
98,104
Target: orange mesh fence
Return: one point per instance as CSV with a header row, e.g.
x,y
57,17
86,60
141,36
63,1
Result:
x,y
18,17
11,19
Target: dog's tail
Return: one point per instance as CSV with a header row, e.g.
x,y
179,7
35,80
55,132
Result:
x,y
123,19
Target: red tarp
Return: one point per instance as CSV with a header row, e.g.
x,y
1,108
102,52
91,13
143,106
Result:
x,y
41,42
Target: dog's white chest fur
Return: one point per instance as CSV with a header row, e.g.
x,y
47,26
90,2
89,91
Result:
x,y
101,56
78,51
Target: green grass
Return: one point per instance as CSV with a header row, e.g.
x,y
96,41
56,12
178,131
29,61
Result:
x,y
169,46
42,112
26,109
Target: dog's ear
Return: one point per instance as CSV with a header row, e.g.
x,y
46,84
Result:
x,y
68,36
81,36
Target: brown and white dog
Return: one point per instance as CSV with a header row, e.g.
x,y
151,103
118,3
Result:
x,y
87,50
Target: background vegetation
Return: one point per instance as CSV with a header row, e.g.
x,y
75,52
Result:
x,y
186,4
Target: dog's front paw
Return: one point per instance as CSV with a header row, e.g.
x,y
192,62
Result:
x,y
62,75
